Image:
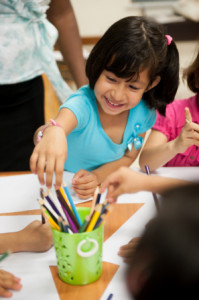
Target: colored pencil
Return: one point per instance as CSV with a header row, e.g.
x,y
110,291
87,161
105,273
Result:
x,y
70,221
67,208
51,203
4,255
155,198
64,196
94,201
98,198
48,208
57,204
84,225
51,221
72,204
94,218
110,296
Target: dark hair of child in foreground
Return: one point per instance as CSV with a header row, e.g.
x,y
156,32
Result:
x,y
165,264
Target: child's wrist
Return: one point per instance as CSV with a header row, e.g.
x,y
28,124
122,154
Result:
x,y
41,132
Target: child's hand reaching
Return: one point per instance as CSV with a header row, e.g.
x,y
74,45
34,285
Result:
x,y
189,134
84,184
8,282
49,155
122,181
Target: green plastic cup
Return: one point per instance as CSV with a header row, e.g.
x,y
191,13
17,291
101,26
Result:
x,y
79,255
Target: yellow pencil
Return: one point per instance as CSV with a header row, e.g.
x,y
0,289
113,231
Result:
x,y
64,196
94,201
50,220
94,218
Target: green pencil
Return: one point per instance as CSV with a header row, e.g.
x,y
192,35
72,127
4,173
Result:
x,y
4,255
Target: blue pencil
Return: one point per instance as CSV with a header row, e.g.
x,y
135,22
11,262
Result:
x,y
110,296
72,204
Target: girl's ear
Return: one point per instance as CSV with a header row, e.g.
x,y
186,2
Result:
x,y
154,83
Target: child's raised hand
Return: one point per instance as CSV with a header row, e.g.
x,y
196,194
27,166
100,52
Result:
x,y
122,181
84,184
8,282
189,134
49,155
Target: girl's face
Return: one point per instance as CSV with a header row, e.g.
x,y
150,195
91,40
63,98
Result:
x,y
116,95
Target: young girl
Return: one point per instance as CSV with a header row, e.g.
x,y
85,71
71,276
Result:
x,y
132,70
174,139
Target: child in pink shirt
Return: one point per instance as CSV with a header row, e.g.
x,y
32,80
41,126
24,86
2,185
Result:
x,y
174,139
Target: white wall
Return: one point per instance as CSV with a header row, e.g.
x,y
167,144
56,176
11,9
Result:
x,y
95,16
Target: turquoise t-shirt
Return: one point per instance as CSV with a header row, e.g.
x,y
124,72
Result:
x,y
89,146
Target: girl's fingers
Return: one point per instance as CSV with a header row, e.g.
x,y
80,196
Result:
x,y
33,162
49,166
59,170
41,165
188,117
84,194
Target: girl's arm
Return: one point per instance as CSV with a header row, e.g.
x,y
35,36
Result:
x,y
50,153
62,16
126,180
158,151
84,182
35,237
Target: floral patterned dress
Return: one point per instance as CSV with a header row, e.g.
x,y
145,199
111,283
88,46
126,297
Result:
x,y
27,41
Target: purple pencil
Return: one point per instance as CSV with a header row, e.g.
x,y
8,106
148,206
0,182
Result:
x,y
70,222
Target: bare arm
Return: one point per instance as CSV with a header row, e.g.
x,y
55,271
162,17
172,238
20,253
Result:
x,y
34,237
50,153
126,180
62,16
85,183
158,151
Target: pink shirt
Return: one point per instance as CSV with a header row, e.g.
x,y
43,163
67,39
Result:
x,y
171,125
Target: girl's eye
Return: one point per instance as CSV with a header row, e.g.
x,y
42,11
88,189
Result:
x,y
132,87
110,78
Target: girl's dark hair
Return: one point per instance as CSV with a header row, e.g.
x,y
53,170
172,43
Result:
x,y
191,74
131,45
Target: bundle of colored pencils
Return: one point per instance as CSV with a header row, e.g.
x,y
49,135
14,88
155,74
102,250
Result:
x,y
62,215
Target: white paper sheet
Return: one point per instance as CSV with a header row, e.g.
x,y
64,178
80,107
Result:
x,y
186,173
31,267
36,284
133,227
117,286
20,192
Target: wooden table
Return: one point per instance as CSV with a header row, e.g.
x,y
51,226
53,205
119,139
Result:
x,y
120,214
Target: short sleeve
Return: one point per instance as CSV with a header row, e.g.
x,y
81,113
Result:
x,y
165,124
81,109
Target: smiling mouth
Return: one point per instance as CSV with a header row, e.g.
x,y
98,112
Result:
x,y
113,105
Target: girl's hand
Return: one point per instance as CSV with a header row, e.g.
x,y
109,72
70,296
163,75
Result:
x,y
127,250
49,156
35,237
8,281
124,180
84,184
189,134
